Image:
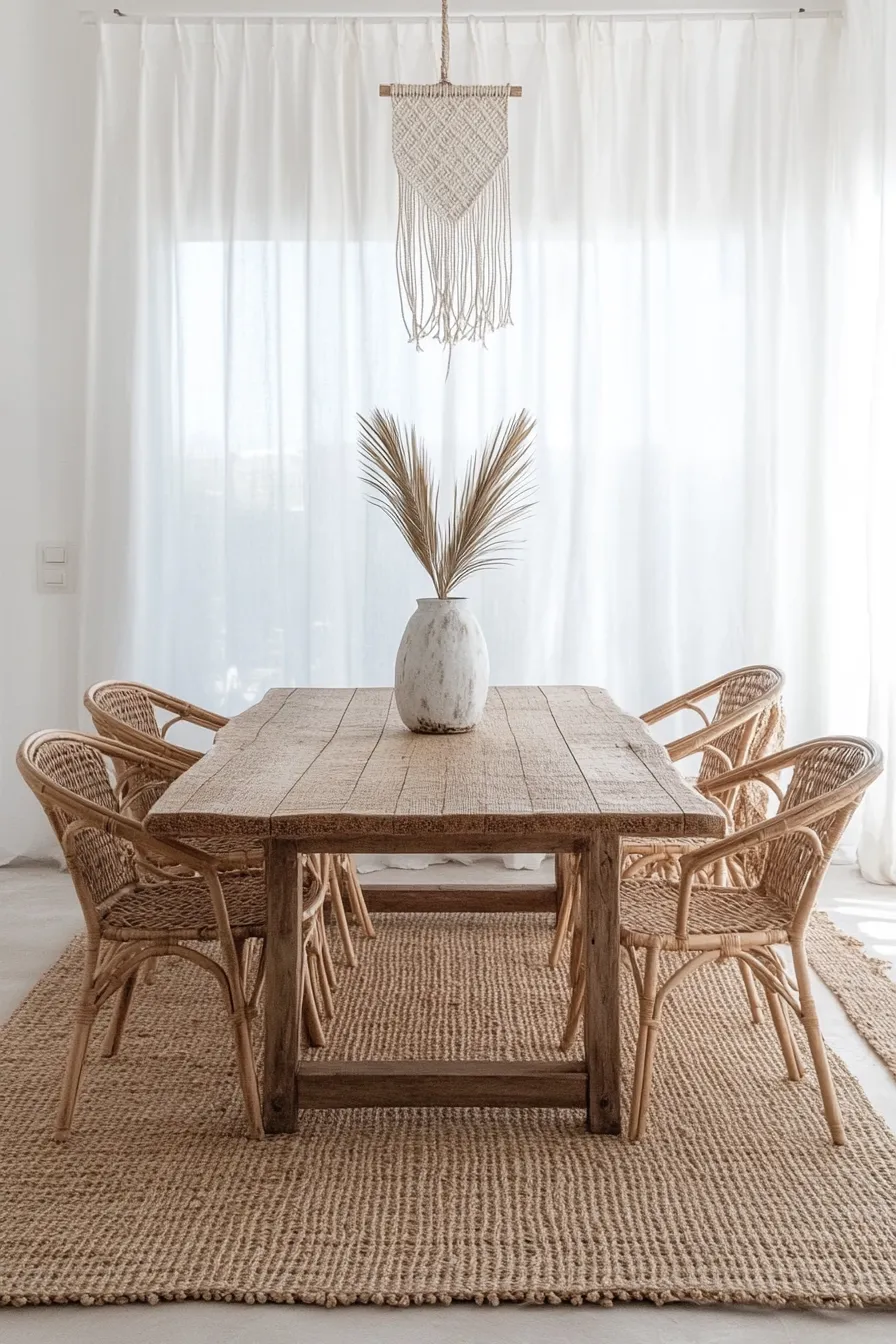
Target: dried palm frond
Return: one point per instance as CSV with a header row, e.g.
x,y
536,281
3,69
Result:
x,y
496,495
399,473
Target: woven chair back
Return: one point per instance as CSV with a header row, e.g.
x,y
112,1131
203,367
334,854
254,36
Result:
x,y
748,686
833,773
128,704
56,763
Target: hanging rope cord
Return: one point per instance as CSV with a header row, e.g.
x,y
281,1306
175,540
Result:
x,y
446,43
453,246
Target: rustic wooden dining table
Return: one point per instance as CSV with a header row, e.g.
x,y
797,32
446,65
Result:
x,y
550,769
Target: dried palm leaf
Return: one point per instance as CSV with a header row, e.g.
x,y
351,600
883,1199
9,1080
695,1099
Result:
x,y
495,496
397,470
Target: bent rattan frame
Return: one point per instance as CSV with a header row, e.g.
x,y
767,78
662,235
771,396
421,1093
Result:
x,y
829,777
125,711
140,785
724,740
130,920
745,697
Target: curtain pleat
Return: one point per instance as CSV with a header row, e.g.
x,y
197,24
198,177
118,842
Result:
x,y
868,383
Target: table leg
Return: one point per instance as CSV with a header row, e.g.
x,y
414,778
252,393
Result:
x,y
600,889
284,970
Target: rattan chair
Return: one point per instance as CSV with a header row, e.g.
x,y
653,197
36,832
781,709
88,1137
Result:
x,y
139,785
724,739
709,923
143,898
320,977
128,712
747,720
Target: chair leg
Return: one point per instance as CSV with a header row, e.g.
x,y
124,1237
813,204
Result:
x,y
576,988
652,1002
326,955
635,969
574,1013
752,996
647,1029
85,1016
356,897
242,955
348,947
313,1025
115,1030
564,911
785,1036
255,996
323,983
777,966
149,970
245,1062
809,1016
568,879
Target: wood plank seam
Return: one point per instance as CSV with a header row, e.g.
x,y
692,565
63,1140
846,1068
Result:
x,y
371,754
399,795
646,763
226,756
570,750
318,754
517,745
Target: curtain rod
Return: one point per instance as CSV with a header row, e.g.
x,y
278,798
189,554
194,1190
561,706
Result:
x,y
411,16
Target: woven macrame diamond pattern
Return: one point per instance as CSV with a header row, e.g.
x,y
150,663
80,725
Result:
x,y
449,148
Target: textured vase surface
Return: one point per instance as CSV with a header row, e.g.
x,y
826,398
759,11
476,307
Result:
x,y
441,670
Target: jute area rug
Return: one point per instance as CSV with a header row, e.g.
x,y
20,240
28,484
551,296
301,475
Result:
x,y
863,984
736,1194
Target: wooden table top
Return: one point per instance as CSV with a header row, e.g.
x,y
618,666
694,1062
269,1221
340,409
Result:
x,y
545,761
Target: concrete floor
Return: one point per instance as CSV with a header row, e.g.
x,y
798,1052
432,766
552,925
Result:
x,y
40,917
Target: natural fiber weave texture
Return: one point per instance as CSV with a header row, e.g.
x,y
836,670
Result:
x,y
181,908
652,905
864,985
453,250
736,1194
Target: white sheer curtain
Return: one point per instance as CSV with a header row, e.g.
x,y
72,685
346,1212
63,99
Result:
x,y
870,384
677,307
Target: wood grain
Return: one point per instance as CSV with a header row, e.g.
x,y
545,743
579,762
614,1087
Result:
x,y
600,889
282,987
493,899
441,1082
338,763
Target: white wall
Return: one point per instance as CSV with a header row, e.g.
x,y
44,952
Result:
x,y
46,91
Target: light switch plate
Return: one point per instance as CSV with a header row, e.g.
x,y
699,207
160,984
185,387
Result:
x,y
55,570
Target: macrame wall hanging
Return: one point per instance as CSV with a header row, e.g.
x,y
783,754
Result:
x,y
453,251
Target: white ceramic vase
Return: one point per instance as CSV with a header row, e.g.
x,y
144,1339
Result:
x,y
441,670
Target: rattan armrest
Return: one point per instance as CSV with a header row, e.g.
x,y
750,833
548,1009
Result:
x,y
759,770
795,820
710,732
115,823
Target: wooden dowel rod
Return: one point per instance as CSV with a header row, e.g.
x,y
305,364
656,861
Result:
x,y
516,90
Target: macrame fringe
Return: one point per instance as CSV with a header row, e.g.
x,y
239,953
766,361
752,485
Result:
x,y
454,275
